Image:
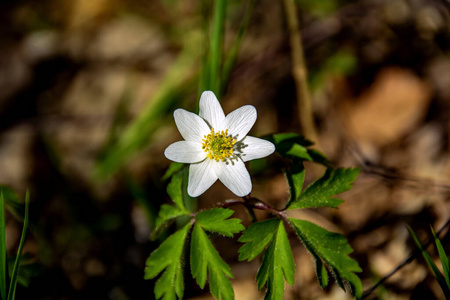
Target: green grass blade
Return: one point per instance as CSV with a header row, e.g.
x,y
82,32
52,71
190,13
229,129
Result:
x,y
231,58
204,69
216,46
443,257
3,270
434,269
12,285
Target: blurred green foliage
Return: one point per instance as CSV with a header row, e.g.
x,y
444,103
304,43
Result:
x,y
319,8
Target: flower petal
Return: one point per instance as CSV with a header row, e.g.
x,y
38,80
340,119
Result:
x,y
240,121
253,148
191,126
234,176
211,111
201,177
185,152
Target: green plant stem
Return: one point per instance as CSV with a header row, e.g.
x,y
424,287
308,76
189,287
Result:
x,y
300,74
216,47
252,215
3,263
12,285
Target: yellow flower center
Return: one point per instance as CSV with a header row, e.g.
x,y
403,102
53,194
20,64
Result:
x,y
218,146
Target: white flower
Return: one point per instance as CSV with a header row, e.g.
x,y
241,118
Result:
x,y
217,146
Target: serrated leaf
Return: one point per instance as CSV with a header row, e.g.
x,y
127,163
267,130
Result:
x,y
443,257
298,151
321,272
434,269
168,213
295,177
169,257
174,189
256,238
205,259
291,145
319,158
333,249
216,220
319,193
277,263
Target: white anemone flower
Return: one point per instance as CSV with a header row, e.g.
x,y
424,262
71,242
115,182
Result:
x,y
217,146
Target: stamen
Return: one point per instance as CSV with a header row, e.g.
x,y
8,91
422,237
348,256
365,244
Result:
x,y
218,146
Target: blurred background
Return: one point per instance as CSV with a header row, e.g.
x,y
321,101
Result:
x,y
87,91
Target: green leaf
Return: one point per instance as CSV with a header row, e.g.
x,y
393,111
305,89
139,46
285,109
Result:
x,y
319,193
256,238
291,145
434,269
443,257
319,158
277,262
174,189
169,257
298,151
3,270
13,282
321,271
340,63
174,167
167,213
204,257
215,220
332,249
295,177
289,138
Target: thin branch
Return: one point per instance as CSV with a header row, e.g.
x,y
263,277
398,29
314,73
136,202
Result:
x,y
253,203
394,174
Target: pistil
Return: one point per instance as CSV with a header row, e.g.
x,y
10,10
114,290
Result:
x,y
218,145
